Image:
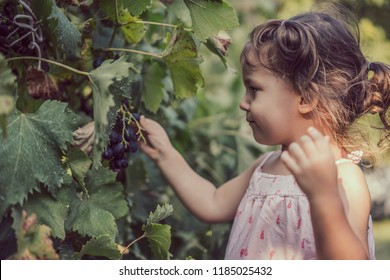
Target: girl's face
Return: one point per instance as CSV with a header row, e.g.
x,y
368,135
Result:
x,y
270,102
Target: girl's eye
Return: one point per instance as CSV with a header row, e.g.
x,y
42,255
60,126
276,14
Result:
x,y
253,90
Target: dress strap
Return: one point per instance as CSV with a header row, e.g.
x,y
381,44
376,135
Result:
x,y
342,160
266,158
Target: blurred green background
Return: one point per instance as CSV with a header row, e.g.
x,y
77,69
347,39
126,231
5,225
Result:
x,y
224,142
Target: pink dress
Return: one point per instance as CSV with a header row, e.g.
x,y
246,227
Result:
x,y
273,221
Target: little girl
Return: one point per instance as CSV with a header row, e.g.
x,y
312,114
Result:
x,y
307,82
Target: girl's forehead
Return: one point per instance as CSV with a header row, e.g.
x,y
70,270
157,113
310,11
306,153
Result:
x,y
250,56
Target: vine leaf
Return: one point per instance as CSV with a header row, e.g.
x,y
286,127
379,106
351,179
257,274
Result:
x,y
153,93
133,31
159,235
49,211
210,17
79,164
32,152
136,7
183,62
66,37
180,10
94,214
160,214
110,72
101,246
33,240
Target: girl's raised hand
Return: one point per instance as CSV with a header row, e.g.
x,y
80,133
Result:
x,y
158,144
312,163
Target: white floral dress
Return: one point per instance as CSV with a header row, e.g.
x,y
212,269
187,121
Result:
x,y
273,221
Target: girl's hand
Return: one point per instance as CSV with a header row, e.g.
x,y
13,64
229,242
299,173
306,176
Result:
x,y
312,163
158,145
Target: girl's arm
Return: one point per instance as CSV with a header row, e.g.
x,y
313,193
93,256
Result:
x,y
338,197
201,197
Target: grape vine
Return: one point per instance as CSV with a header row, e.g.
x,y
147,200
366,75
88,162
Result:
x,y
75,78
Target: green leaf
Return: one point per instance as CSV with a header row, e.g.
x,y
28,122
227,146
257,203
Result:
x,y
179,8
133,31
79,164
136,7
66,37
88,219
101,246
32,152
102,78
209,17
182,59
106,192
153,86
49,211
159,237
94,213
159,214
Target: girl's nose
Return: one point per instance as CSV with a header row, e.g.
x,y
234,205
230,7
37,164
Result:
x,y
244,104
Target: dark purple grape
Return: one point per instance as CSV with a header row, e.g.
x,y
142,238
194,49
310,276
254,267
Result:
x,y
133,146
115,137
124,163
130,135
118,149
4,30
114,164
137,116
97,62
108,153
120,163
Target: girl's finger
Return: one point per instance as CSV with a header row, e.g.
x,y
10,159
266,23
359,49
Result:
x,y
321,141
296,152
308,146
290,162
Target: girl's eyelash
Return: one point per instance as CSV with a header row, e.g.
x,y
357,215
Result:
x,y
253,89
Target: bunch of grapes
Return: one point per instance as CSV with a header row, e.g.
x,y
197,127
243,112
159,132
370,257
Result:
x,y
123,139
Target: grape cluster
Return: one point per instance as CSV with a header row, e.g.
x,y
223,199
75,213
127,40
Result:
x,y
123,140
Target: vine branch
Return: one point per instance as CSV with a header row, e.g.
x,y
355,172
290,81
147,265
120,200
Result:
x,y
133,51
50,62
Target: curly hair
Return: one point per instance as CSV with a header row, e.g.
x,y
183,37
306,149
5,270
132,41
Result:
x,y
320,54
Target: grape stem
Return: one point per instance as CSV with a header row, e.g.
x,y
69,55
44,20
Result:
x,y
133,242
126,114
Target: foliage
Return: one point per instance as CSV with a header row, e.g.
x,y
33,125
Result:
x,y
65,64
79,63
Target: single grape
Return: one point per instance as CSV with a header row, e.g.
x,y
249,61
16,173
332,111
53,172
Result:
x,y
137,116
118,149
130,135
115,137
114,164
124,162
4,30
133,146
97,62
108,153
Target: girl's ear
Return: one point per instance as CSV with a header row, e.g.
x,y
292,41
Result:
x,y
306,107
